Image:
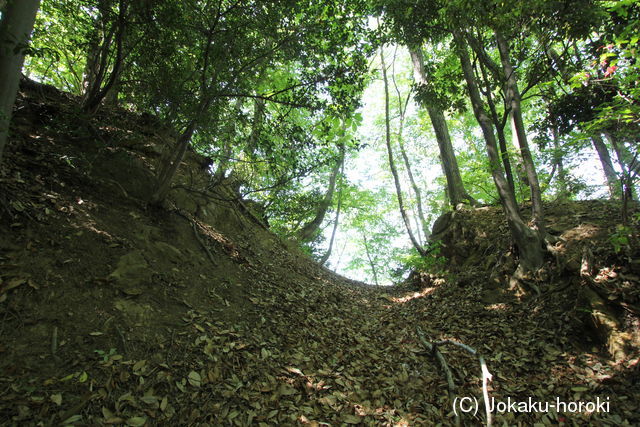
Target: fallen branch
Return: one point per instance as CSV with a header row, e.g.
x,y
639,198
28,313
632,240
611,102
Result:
x,y
486,375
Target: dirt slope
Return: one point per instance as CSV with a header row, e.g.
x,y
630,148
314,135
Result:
x,y
115,313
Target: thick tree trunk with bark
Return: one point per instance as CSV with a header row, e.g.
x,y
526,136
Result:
x,y
392,164
513,98
607,166
455,187
528,241
308,232
15,29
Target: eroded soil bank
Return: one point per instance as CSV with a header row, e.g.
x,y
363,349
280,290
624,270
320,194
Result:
x,y
117,313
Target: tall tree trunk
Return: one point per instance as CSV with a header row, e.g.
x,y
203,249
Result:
x,y
308,232
455,188
336,220
421,222
607,166
15,29
513,98
528,241
392,165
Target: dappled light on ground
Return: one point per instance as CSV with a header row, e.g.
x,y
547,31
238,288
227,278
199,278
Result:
x,y
114,312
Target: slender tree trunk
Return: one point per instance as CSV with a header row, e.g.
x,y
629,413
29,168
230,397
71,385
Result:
x,y
99,49
502,140
421,222
607,166
97,91
257,123
228,134
371,263
308,232
171,167
90,74
455,187
624,157
392,165
559,164
421,219
513,98
327,254
528,241
15,29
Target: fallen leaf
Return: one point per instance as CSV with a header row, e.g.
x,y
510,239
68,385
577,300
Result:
x,y
56,398
195,379
136,421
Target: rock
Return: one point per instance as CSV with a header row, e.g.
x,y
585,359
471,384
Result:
x,y
132,272
167,251
441,224
135,313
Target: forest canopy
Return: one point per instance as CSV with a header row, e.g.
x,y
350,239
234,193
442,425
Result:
x,y
350,126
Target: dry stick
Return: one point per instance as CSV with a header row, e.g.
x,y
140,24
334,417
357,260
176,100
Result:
x,y
486,375
54,340
54,344
443,364
125,347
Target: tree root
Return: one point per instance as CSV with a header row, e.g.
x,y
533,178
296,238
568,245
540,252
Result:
x,y
486,375
198,238
204,246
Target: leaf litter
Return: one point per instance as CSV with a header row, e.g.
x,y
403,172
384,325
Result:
x,y
265,336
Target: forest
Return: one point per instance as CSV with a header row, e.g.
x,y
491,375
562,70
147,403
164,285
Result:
x,y
258,212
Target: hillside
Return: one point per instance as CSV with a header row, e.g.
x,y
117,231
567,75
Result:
x,y
118,313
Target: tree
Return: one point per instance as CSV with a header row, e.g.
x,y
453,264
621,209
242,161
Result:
x,y
512,95
607,166
106,53
336,221
455,188
392,165
528,241
16,25
248,50
309,230
403,103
